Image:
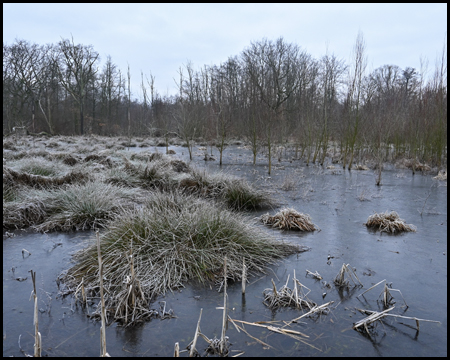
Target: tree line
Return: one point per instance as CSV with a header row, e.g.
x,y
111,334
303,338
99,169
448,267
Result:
x,y
271,93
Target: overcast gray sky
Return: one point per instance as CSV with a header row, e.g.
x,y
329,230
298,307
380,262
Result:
x,y
159,38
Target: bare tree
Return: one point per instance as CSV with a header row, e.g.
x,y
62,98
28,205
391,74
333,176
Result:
x,y
331,71
188,108
77,70
272,67
355,85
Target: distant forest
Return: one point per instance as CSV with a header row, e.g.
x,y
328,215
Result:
x,y
273,92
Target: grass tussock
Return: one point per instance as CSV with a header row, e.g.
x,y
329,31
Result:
x,y
39,166
80,206
173,238
42,181
289,219
234,192
24,213
85,206
162,172
388,222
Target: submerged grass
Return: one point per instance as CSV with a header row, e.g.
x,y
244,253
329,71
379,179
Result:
x,y
173,238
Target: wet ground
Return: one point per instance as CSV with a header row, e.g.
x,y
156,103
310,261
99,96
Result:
x,y
339,203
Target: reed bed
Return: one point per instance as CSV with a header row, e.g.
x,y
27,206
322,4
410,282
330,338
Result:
x,y
388,222
85,206
289,219
173,238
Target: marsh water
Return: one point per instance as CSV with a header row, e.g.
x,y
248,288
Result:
x,y
339,203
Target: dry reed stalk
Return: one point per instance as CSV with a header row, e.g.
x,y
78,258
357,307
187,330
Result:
x,y
280,330
370,312
371,319
238,328
315,275
289,219
314,309
386,296
103,352
341,280
197,330
83,292
224,319
388,222
244,276
37,334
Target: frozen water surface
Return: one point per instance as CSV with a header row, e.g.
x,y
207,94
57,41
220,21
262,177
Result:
x,y
339,203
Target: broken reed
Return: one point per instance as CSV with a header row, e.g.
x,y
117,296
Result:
x,y
289,219
377,316
103,352
386,296
342,280
37,334
173,237
286,296
215,346
388,222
